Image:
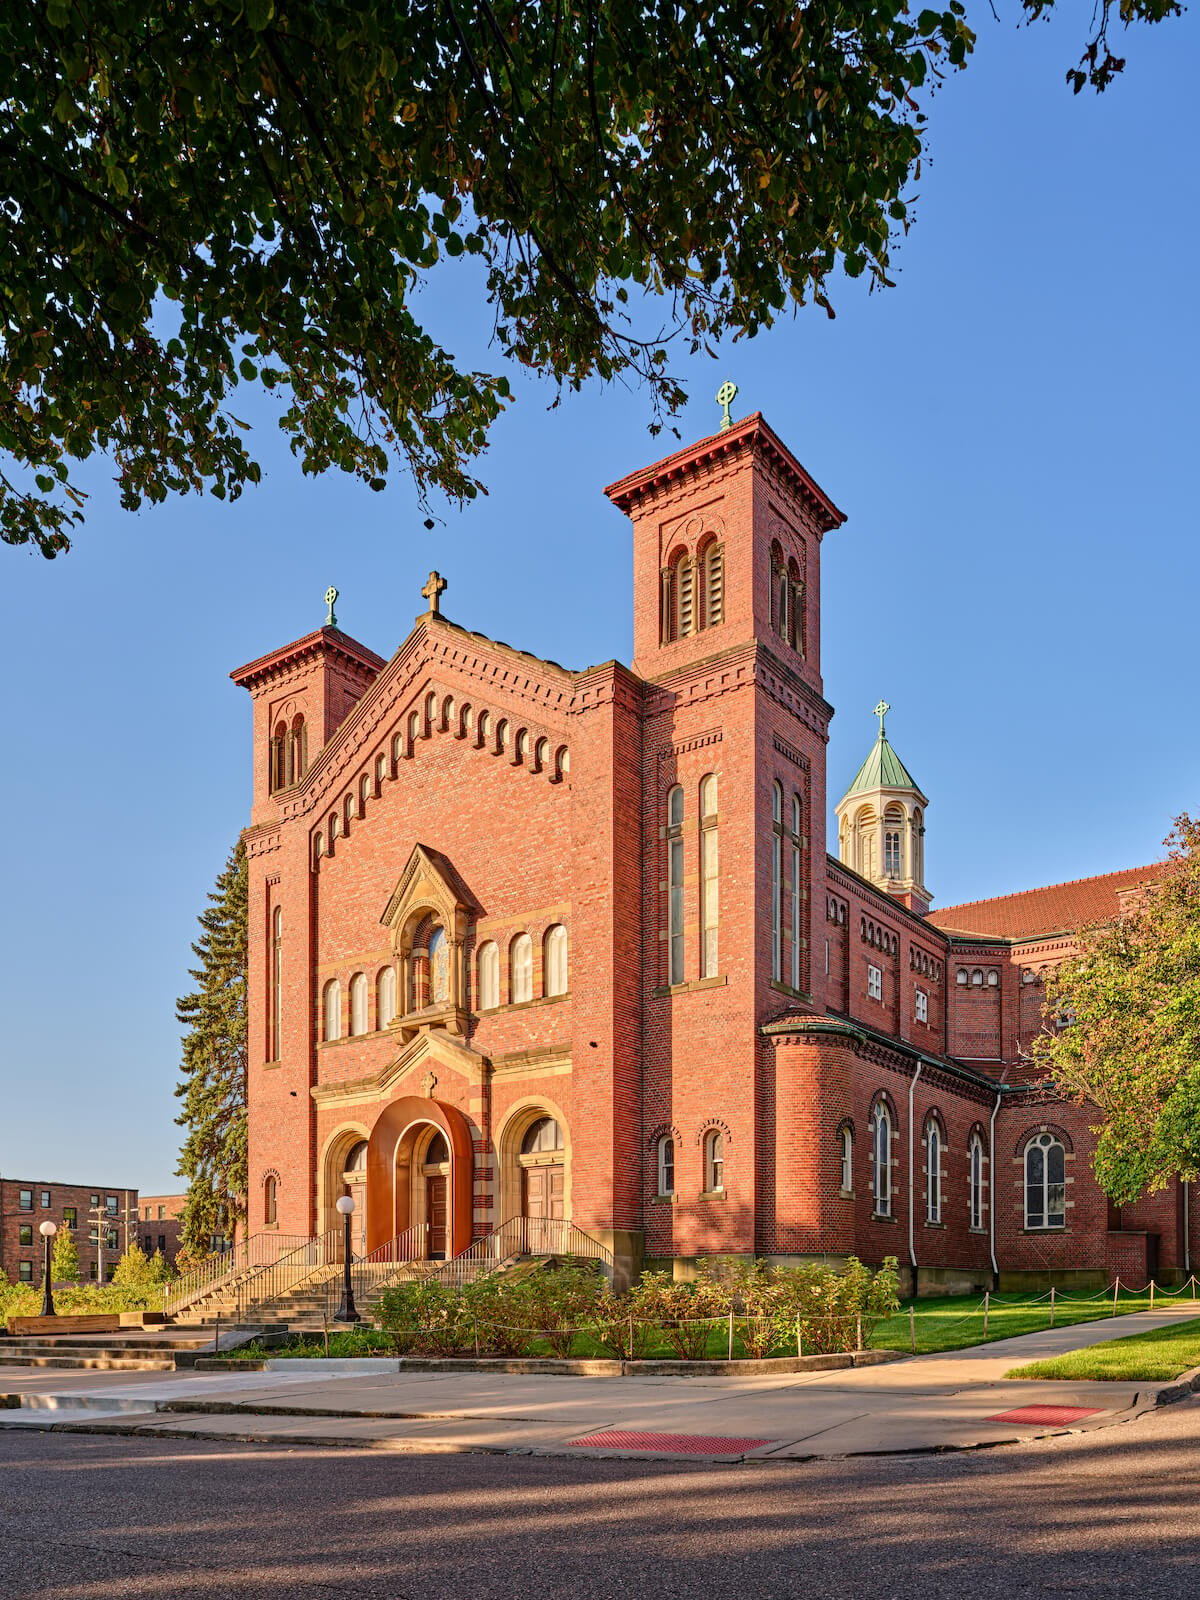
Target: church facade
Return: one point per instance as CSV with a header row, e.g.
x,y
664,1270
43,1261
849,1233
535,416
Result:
x,y
568,946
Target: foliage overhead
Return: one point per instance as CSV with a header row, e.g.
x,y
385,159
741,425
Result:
x,y
201,197
1131,1046
213,1075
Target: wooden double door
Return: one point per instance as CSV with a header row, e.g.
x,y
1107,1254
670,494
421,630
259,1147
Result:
x,y
543,1192
437,1214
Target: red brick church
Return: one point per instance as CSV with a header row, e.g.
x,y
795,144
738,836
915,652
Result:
x,y
534,942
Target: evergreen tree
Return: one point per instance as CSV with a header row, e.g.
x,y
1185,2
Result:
x,y
64,1263
133,1270
213,1082
161,1270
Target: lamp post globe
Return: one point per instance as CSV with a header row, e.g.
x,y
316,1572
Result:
x,y
347,1311
47,1231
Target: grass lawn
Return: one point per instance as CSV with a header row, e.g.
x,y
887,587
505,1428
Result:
x,y
1152,1357
957,1321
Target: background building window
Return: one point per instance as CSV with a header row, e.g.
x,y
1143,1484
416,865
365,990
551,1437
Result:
x,y
25,1233
666,1166
1045,1183
520,974
489,976
25,1200
25,1272
847,1144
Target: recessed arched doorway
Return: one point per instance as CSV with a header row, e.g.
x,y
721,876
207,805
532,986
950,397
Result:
x,y
344,1171
534,1149
419,1167
542,1161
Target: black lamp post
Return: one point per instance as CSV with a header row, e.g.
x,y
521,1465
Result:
x,y
347,1311
47,1231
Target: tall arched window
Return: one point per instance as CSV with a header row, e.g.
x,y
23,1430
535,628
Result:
x,y
439,966
520,969
666,1166
846,1143
358,1003
881,1152
385,998
711,561
777,881
275,1011
502,735
893,842
1045,1182
714,1161
975,1168
933,1171
278,765
331,1010
797,893
675,973
489,976
298,753
710,884
554,960
270,1201
795,631
364,789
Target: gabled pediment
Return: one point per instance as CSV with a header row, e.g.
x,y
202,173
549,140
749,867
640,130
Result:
x,y
420,1058
429,882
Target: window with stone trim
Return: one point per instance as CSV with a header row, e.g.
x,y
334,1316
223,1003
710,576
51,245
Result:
x,y
874,983
554,961
520,969
714,1161
358,1003
489,976
666,1166
385,997
846,1150
275,1006
331,1011
921,1005
1045,1182
975,1181
270,1200
675,948
709,877
797,937
777,881
934,1141
882,1133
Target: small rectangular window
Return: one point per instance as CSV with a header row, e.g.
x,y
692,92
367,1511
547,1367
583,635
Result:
x,y
110,1204
25,1200
95,1199
25,1233
162,1211
874,983
45,1198
25,1272
70,1217
922,1006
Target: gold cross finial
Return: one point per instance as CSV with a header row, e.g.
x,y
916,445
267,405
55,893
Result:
x,y
433,593
331,595
881,711
726,395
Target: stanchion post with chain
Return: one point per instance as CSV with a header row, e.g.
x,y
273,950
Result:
x,y
1116,1291
912,1329
1051,1305
987,1296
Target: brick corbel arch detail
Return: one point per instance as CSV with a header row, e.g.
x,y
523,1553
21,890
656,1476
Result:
x,y
1052,1128
709,1124
664,1130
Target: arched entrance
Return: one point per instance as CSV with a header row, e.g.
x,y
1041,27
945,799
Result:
x,y
534,1151
418,1178
344,1171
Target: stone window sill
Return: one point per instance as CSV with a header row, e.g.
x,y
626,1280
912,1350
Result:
x,y
712,1194
882,1216
935,1224
846,1194
691,987
1036,1233
795,994
665,1200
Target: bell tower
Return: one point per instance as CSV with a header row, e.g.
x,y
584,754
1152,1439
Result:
x,y
881,824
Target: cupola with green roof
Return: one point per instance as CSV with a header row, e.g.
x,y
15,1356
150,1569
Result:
x,y
881,824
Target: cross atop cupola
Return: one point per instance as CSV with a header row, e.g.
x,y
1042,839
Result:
x,y
881,823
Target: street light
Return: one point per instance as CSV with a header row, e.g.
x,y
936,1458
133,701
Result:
x,y
347,1311
47,1231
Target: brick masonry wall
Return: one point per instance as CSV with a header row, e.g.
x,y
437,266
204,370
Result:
x,y
63,1196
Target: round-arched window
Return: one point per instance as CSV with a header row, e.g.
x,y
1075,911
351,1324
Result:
x,y
544,1135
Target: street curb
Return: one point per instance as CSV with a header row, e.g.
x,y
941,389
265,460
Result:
x,y
547,1366
1188,1383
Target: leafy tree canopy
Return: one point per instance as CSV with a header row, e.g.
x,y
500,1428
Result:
x,y
1131,998
212,1085
64,1263
253,191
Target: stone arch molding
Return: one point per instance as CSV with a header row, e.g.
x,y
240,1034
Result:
x,y
430,886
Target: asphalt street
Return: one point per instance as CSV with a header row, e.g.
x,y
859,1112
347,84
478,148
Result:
x,y
83,1517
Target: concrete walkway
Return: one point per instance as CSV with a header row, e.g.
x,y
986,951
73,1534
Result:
x,y
948,1401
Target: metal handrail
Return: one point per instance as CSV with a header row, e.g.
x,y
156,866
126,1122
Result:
x,y
277,1278
220,1271
521,1236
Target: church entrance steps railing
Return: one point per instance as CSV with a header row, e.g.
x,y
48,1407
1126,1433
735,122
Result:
x,y
312,1275
518,1238
216,1278
290,1270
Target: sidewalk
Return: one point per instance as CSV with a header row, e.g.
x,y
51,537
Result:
x,y
949,1401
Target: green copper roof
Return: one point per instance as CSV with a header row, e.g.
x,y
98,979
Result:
x,y
883,768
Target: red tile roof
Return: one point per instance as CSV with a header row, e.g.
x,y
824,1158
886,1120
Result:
x,y
1037,913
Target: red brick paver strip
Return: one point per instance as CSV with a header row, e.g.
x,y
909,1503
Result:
x,y
679,1444
1046,1416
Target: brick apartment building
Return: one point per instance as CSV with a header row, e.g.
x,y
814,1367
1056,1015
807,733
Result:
x,y
553,943
100,1241
158,1223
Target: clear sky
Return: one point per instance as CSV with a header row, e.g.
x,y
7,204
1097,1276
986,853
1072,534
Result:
x,y
1009,431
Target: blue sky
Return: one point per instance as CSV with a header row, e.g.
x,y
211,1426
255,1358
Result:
x,y
1008,430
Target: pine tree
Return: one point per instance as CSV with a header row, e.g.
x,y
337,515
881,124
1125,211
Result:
x,y
64,1263
213,1082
